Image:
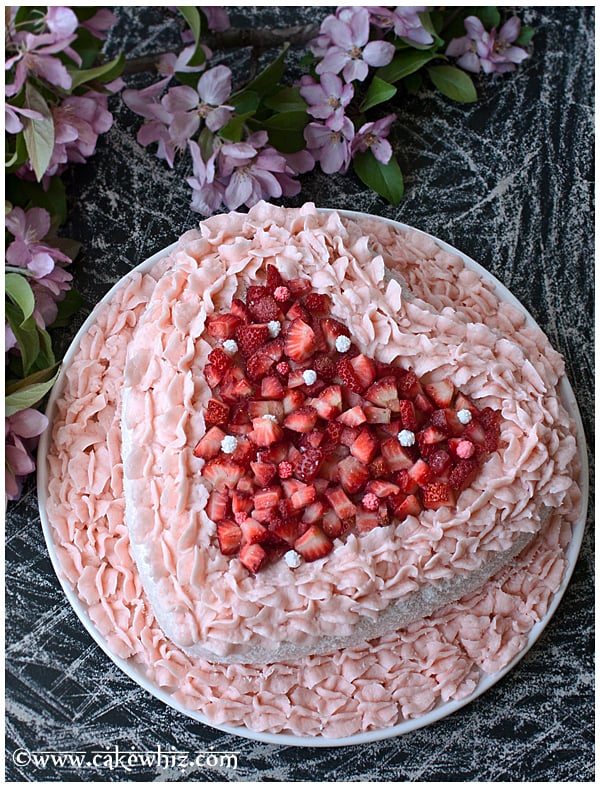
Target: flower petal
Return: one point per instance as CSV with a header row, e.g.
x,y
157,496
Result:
x,y
214,85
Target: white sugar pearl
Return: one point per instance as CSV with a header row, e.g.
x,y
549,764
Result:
x,y
342,343
309,376
292,558
274,328
406,438
228,444
268,416
230,346
465,416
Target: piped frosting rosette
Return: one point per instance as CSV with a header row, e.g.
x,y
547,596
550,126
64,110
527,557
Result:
x,y
376,683
371,583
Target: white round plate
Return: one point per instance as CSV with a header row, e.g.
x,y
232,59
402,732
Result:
x,y
135,672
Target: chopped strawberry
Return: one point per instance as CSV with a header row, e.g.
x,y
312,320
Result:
x,y
299,341
307,466
431,435
409,506
406,483
490,420
212,375
209,445
339,501
324,365
384,393
297,311
347,375
303,497
258,408
317,304
241,502
310,439
365,447
244,452
420,473
253,531
266,309
331,524
328,404
423,404
408,383
352,417
263,472
222,326
382,488
440,462
437,494
299,286
217,506
273,280
216,412
364,369
441,393
222,473
265,431
331,329
313,512
447,420
408,415
379,468
271,388
235,386
348,436
333,432
267,497
366,520
283,368
240,310
229,536
220,359
295,379
251,338
376,415
258,366
253,557
302,419
314,544
396,456
286,529
463,473
353,474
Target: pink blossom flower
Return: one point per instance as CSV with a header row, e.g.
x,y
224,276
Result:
x,y
189,106
98,24
216,17
332,149
296,164
485,51
373,136
404,20
252,168
78,121
27,249
344,45
147,103
170,64
35,55
22,431
12,122
207,193
48,291
327,98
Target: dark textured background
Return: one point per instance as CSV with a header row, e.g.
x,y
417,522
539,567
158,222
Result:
x,y
508,181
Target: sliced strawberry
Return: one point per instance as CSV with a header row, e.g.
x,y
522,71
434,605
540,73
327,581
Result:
x,y
271,388
490,420
220,359
307,466
229,536
464,402
381,488
267,497
217,507
463,474
366,520
332,329
346,374
423,404
475,433
379,468
324,365
253,557
430,435
273,280
302,419
258,408
384,393
296,379
447,420
353,474
376,415
222,326
299,286
311,439
244,453
299,341
339,501
263,472
212,375
286,529
291,485
240,311
314,544
352,417
364,369
241,502
406,483
365,447
216,412
265,431
441,392
408,383
253,531
396,456
251,338
258,366
313,511
420,473
409,506
331,524
317,304
266,309
437,494
440,462
348,436
408,415
274,349
333,432
235,386
303,497
328,404
209,445
297,311
222,473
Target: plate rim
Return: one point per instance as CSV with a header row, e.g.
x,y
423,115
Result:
x,y
133,670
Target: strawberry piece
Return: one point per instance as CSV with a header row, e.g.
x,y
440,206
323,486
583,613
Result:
x,y
314,544
220,359
447,420
311,439
253,531
274,349
378,467
307,466
366,520
376,415
464,402
364,369
244,453
353,474
324,366
396,456
283,368
331,524
217,506
253,556
240,311
409,506
241,502
302,419
209,445
406,483
285,529
348,436
212,375
303,497
440,462
420,473
267,497
384,393
313,512
258,366
222,473
463,474
437,494
381,488
328,404
331,329
441,393
340,502
408,415
297,311
263,472
408,383
235,386
430,435
271,388
291,486
265,431
257,408
299,341
222,326
352,417
266,309
216,412
423,404
251,338
333,432
490,420
273,279
347,375
475,433
299,286
317,304
295,379
365,447
229,536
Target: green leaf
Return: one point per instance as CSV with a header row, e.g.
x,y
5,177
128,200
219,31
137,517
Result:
x,y
266,83
404,63
67,308
385,179
525,36
27,193
44,375
38,134
26,333
194,19
20,292
413,83
379,91
246,101
288,99
88,47
489,15
453,83
105,72
286,131
234,129
27,397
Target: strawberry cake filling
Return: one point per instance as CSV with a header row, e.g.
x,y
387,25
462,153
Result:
x,y
308,441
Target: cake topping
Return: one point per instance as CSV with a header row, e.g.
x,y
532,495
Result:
x,y
308,438
292,558
230,346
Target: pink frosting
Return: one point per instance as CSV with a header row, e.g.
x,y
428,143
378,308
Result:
x,y
368,686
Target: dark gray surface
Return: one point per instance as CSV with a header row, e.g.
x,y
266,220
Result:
x,y
508,181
